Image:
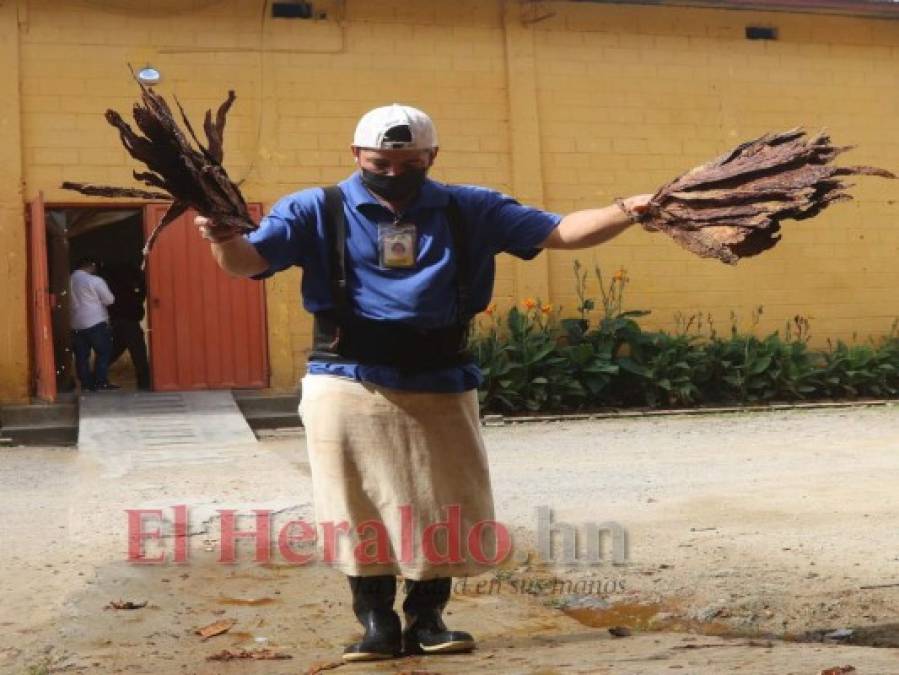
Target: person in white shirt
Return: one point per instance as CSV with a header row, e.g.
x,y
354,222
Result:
x,y
90,297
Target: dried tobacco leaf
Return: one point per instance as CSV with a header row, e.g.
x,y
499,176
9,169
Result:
x,y
731,208
216,628
192,177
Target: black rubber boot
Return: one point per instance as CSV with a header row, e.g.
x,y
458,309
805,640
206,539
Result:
x,y
373,605
425,632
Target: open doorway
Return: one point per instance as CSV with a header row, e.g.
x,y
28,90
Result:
x,y
203,328
114,238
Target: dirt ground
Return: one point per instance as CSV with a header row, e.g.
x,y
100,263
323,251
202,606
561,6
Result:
x,y
750,538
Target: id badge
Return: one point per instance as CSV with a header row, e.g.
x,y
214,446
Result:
x,y
396,244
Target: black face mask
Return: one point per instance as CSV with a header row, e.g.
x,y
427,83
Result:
x,y
394,188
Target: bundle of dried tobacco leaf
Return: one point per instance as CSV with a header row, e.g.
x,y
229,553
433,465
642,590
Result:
x,y
191,177
731,207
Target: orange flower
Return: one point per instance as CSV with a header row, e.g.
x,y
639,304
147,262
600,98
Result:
x,y
490,309
546,309
529,303
620,275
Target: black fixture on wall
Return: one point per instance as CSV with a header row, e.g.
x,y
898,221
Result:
x,y
295,9
761,33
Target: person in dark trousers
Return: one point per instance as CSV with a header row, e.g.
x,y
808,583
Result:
x,y
395,266
91,332
129,288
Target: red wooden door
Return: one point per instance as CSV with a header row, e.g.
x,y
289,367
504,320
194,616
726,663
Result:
x,y
43,361
207,329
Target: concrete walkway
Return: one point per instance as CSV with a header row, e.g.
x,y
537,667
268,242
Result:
x,y
127,430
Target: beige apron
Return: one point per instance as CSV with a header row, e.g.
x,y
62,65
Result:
x,y
388,467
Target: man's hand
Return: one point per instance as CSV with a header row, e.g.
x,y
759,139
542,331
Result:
x,y
217,234
231,251
633,207
638,203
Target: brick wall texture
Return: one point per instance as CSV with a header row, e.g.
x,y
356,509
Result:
x,y
565,105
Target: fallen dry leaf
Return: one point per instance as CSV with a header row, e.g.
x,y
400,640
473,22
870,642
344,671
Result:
x,y
316,668
838,670
119,604
255,655
249,602
216,628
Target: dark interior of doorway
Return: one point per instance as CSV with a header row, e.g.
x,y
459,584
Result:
x,y
111,235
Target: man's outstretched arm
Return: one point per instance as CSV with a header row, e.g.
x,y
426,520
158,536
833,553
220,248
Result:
x,y
231,251
583,229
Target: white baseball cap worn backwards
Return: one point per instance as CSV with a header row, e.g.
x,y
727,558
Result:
x,y
395,127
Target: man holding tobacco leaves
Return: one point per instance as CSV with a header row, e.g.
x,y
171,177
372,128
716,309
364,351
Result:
x,y
395,265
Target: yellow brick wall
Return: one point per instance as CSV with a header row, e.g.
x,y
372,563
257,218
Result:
x,y
567,111
13,262
630,96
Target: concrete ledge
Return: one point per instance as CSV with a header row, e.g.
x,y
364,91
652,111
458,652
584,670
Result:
x,y
501,420
268,411
41,435
39,414
273,420
57,424
40,423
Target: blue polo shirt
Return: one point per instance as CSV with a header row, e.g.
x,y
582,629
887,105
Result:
x,y
423,295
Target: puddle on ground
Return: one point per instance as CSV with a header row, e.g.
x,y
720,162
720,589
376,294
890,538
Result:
x,y
885,635
648,617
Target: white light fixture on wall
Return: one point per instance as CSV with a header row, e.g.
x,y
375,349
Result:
x,y
149,75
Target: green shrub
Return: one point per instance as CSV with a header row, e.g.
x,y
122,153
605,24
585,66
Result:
x,y
533,360
851,371
522,365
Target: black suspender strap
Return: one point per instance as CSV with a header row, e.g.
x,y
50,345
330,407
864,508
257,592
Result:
x,y
463,261
335,226
327,333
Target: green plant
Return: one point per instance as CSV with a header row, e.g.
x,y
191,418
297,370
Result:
x,y
668,369
746,369
862,370
521,363
534,360
743,368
